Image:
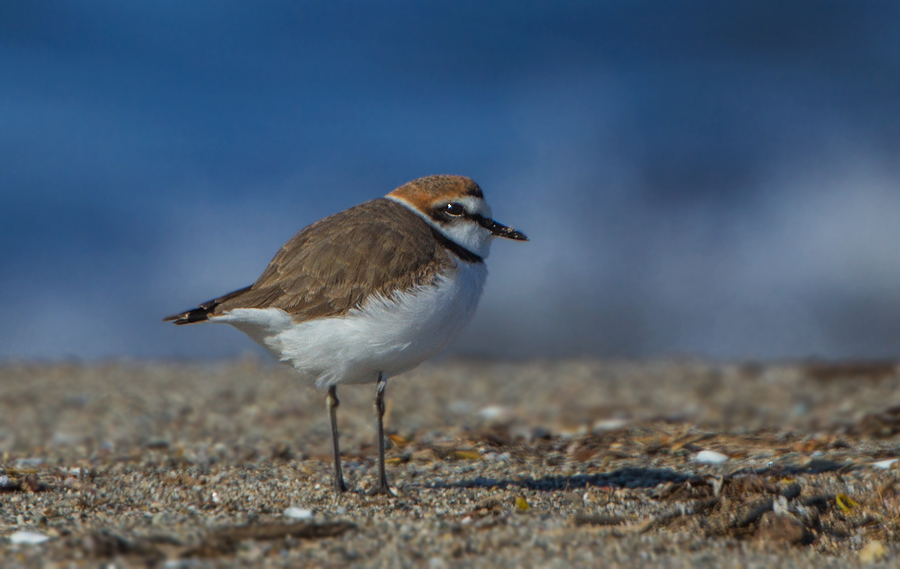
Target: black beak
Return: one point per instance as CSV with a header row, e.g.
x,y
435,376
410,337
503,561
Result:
x,y
499,229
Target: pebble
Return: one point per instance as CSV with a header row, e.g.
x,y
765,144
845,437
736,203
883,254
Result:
x,y
608,425
298,513
453,511
502,457
775,526
27,538
710,457
494,413
873,551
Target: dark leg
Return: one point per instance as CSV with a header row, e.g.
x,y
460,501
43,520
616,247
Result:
x,y
332,401
380,386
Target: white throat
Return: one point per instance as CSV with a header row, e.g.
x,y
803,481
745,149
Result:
x,y
465,233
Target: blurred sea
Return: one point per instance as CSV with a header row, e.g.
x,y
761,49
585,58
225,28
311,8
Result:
x,y
708,178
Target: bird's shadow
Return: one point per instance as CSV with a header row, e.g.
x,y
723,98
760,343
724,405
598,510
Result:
x,y
629,477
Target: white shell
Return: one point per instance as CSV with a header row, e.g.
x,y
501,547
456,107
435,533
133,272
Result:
x,y
710,457
298,513
27,538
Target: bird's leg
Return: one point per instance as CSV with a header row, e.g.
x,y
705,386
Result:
x,y
380,386
332,401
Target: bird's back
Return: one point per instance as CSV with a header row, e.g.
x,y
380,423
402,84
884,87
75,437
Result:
x,y
335,264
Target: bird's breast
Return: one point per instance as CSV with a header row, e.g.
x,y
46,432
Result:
x,y
390,334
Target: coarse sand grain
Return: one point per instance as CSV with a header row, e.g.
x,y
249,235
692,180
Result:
x,y
573,463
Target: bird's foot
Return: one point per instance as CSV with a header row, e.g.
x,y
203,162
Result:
x,y
382,490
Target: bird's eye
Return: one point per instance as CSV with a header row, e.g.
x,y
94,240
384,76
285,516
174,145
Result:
x,y
454,209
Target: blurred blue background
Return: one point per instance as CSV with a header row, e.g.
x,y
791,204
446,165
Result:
x,y
708,178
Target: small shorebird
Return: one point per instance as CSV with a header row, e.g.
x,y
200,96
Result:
x,y
370,292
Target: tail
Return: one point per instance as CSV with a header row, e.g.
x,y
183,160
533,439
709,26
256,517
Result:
x,y
202,312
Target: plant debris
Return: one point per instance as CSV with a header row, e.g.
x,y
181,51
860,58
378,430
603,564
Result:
x,y
493,464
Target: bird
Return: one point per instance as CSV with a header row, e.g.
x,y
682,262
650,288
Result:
x,y
368,293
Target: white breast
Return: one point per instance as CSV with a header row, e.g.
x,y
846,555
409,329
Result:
x,y
389,335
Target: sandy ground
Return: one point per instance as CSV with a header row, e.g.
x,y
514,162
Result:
x,y
543,464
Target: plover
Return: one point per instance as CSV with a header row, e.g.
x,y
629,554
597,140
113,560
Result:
x,y
370,292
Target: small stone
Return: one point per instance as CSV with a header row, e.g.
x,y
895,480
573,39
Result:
x,y
574,432
716,482
780,506
298,513
604,425
820,465
808,515
424,455
504,457
791,490
782,527
872,552
541,433
27,538
572,498
495,413
599,520
710,457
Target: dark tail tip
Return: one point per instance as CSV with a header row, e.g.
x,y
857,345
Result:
x,y
200,314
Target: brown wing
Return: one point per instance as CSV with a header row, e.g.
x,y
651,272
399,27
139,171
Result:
x,y
334,264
